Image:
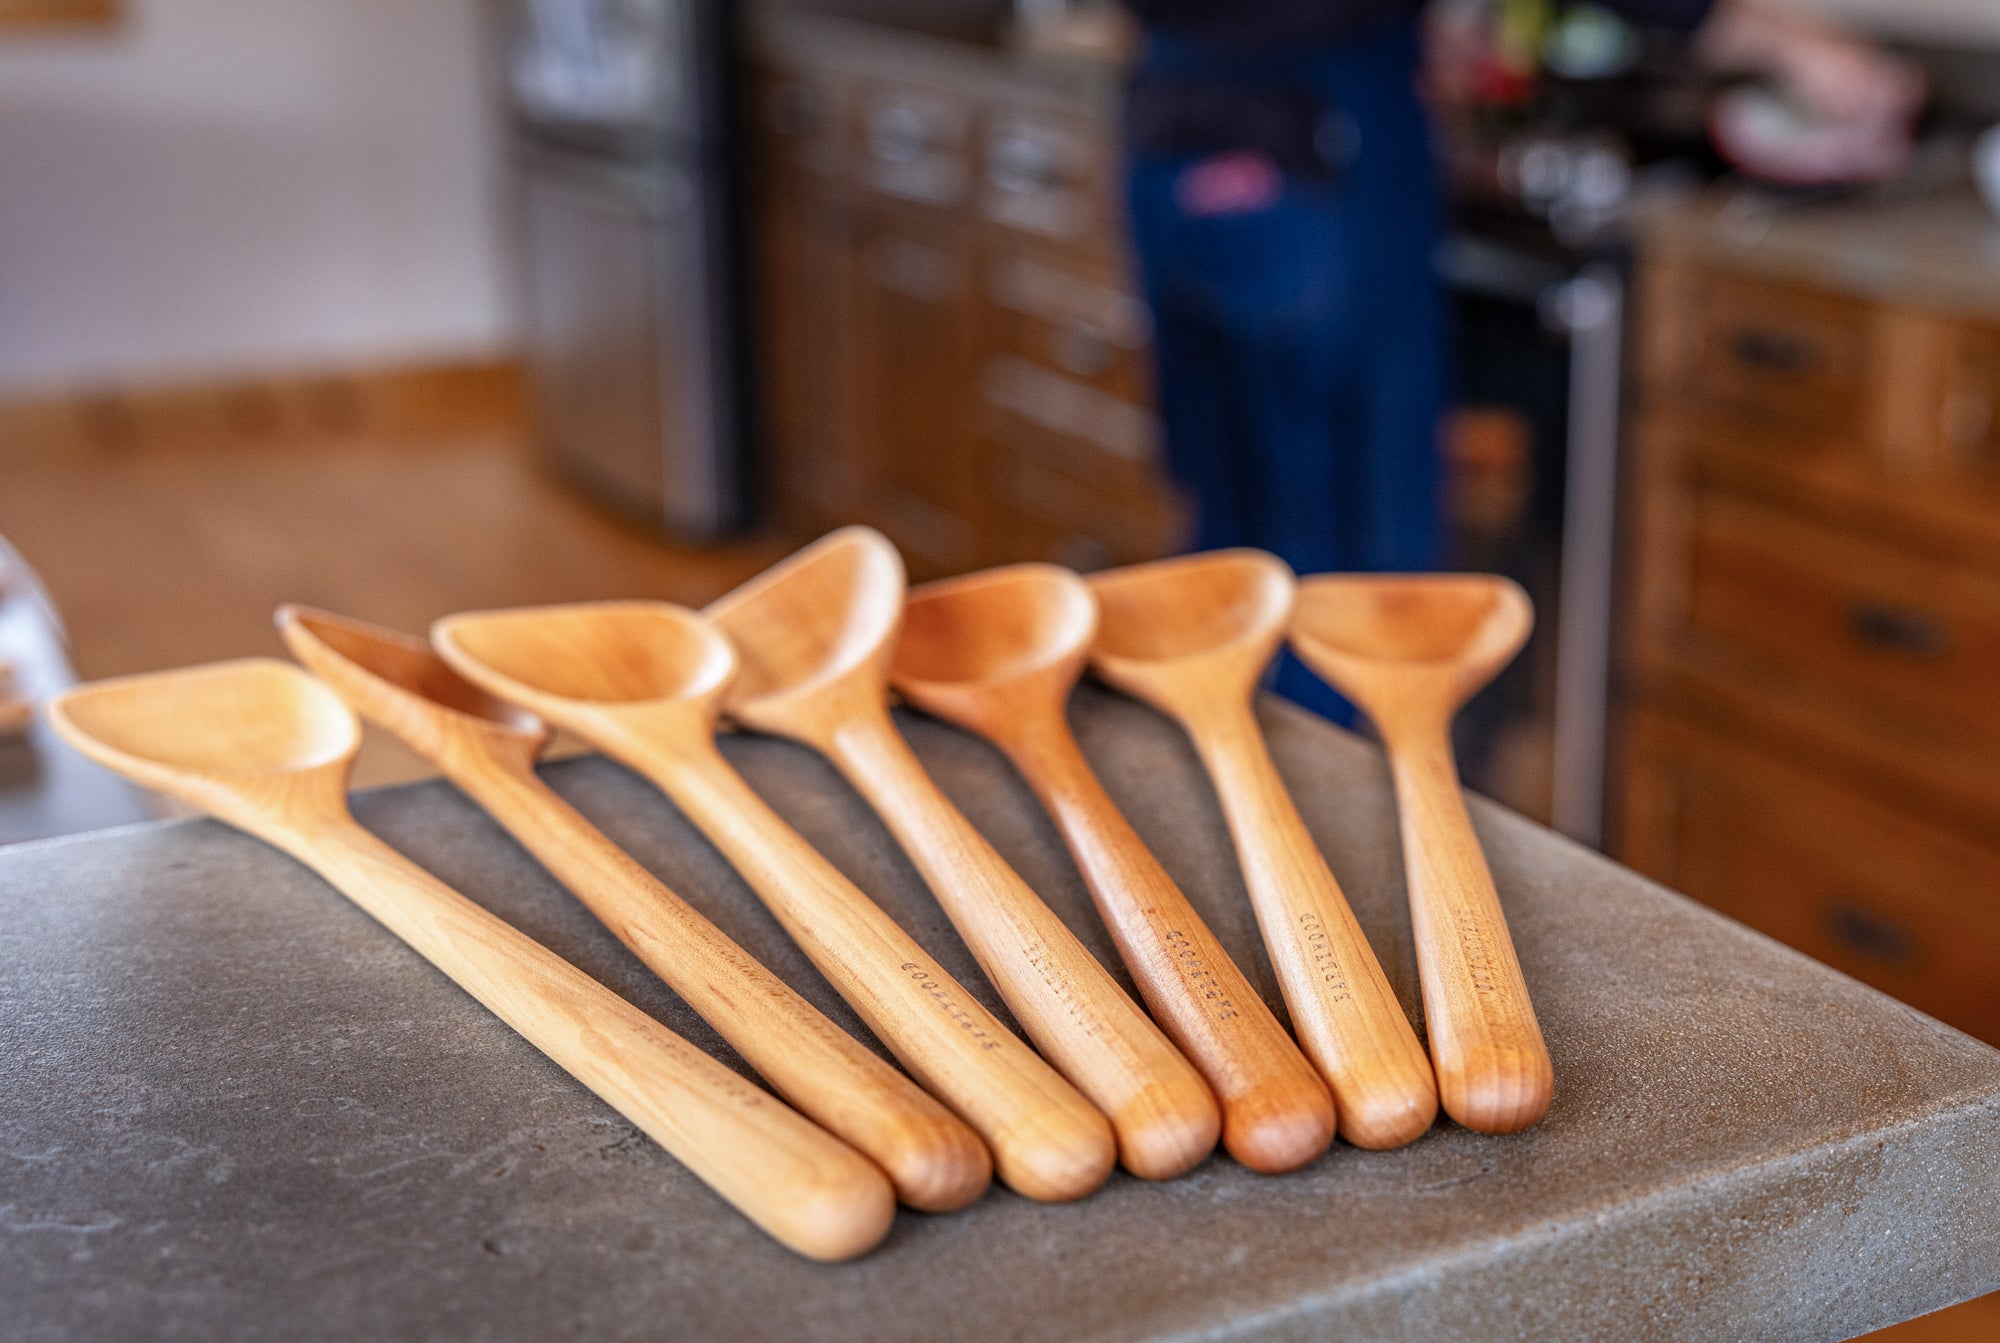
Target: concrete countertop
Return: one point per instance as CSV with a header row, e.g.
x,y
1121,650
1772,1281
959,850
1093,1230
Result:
x,y
232,1106
1936,250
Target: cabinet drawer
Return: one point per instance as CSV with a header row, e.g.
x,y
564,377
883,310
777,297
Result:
x,y
914,145
1882,631
1071,320
802,118
1779,353
1870,890
909,354
1054,517
1970,415
1091,435
1045,175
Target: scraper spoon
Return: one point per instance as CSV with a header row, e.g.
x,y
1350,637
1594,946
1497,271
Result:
x,y
263,746
1410,649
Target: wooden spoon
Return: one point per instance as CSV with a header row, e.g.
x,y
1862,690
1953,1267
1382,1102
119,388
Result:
x,y
643,682
488,749
815,634
1192,636
263,746
1409,650
997,653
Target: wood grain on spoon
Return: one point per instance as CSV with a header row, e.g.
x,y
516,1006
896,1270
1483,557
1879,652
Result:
x,y
642,681
1191,637
815,634
998,653
1409,650
263,746
488,749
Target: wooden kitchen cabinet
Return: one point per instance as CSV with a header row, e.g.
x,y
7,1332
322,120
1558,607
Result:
x,y
1969,419
1070,446
950,348
800,291
1801,853
803,298
1773,352
1813,742
911,354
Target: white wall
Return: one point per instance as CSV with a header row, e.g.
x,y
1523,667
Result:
x,y
248,185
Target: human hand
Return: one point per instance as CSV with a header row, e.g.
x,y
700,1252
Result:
x,y
1837,75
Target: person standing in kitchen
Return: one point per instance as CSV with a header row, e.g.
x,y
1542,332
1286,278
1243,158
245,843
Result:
x,y
1284,210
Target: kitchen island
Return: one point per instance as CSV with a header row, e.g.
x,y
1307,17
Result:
x,y
1814,484
232,1106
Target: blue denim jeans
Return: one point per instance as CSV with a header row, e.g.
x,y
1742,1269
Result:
x,y
1301,346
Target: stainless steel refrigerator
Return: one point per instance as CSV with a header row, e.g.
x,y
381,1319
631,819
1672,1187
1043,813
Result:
x,y
621,136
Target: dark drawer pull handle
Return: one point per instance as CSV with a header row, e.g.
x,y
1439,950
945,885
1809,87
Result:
x,y
1777,353
1899,629
1868,934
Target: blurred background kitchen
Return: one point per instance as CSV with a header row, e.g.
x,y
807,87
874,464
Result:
x,y
403,309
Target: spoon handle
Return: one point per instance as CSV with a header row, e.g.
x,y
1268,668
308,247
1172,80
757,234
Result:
x,y
1493,1068
936,1162
805,1187
1163,1112
1276,1111
1342,1007
1047,1141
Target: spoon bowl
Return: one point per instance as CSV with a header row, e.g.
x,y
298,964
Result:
x,y
1213,619
401,683
827,613
605,654
1022,632
238,719
1380,636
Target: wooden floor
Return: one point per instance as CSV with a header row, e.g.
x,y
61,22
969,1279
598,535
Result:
x,y
167,554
